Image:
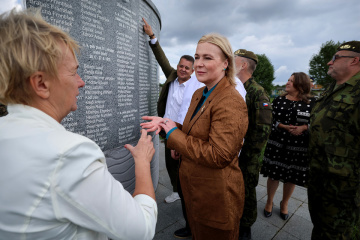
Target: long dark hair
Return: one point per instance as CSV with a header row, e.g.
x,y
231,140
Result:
x,y
302,84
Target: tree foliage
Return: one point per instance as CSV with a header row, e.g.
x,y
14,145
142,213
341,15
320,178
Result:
x,y
264,73
318,63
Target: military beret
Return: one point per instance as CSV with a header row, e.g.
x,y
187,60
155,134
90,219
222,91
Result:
x,y
246,54
353,46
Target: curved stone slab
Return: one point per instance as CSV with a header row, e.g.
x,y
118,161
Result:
x,y
120,73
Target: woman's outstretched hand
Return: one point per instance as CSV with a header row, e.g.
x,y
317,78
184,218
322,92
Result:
x,y
153,125
144,149
157,123
167,124
143,153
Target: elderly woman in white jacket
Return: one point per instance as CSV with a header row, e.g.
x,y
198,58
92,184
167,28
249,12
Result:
x,y
54,184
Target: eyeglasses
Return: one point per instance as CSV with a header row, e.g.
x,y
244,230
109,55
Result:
x,y
339,56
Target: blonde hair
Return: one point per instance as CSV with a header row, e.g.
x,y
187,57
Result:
x,y
28,44
225,46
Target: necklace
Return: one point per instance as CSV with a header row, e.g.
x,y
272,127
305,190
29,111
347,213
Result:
x,y
291,98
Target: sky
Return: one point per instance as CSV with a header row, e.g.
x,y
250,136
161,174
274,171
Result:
x,y
288,32
6,5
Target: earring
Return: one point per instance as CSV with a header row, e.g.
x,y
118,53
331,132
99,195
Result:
x,y
224,69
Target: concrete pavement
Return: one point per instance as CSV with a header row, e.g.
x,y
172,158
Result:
x,y
298,226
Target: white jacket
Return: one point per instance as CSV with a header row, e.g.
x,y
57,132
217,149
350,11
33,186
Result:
x,y
54,184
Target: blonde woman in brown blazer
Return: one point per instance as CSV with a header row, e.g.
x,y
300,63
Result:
x,y
209,142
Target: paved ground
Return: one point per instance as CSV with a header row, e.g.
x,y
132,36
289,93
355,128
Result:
x,y
298,226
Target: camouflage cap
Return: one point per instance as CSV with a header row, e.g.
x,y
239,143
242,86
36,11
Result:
x,y
353,46
246,54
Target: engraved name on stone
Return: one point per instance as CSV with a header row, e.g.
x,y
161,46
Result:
x,y
116,64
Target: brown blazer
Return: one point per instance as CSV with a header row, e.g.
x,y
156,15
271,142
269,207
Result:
x,y
209,144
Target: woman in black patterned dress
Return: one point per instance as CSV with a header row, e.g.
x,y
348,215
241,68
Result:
x,y
285,157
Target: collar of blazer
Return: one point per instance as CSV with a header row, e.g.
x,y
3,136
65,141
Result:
x,y
188,122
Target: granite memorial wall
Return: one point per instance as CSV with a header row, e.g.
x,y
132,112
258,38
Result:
x,y
120,74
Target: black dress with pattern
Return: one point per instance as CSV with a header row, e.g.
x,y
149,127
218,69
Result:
x,y
285,156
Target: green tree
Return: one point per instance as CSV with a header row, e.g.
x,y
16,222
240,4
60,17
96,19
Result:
x,y
318,63
264,73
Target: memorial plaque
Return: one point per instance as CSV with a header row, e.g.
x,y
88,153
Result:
x,y
119,70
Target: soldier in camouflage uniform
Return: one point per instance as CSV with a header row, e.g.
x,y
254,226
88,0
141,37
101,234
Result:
x,y
260,118
3,110
334,179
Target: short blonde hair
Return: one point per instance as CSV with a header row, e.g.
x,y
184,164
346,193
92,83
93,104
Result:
x,y
28,44
225,46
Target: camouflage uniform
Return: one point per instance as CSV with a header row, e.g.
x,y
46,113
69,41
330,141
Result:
x,y
3,110
334,149
260,118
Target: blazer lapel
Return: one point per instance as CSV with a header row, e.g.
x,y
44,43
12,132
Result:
x,y
191,110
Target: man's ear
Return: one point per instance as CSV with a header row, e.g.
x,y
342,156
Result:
x,y
356,60
246,65
40,84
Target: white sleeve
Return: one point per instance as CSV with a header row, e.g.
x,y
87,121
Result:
x,y
153,41
85,193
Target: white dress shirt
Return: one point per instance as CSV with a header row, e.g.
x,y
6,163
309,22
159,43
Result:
x,y
55,184
192,85
240,87
174,99
179,98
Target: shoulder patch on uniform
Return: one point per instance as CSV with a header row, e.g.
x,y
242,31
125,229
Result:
x,y
265,104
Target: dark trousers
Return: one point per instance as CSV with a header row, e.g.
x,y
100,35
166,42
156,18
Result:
x,y
251,178
172,167
333,206
182,202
